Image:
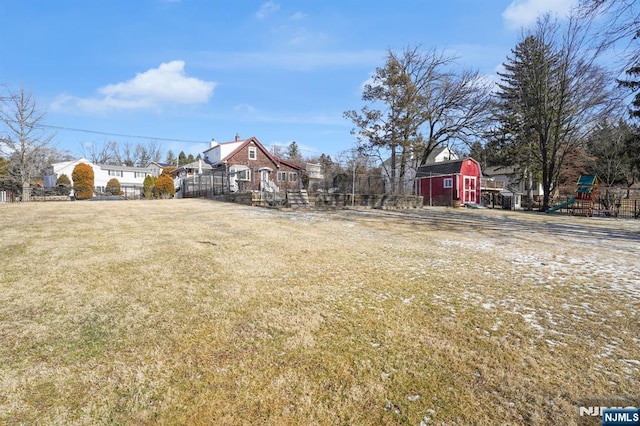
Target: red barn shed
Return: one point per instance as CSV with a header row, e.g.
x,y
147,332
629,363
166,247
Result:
x,y
449,182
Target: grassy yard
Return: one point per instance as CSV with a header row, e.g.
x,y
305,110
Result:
x,y
198,312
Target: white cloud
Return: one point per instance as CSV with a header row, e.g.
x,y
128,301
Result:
x,y
267,9
523,13
245,108
298,16
167,84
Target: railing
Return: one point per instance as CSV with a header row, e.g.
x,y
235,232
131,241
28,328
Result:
x,y
491,184
625,208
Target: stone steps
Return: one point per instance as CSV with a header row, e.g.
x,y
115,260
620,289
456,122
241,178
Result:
x,y
298,198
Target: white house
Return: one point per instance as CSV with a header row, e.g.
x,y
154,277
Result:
x,y
514,186
406,183
131,178
443,153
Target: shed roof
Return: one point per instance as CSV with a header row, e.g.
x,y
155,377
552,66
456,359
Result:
x,y
439,169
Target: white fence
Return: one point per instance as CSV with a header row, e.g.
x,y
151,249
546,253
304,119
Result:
x,y
7,197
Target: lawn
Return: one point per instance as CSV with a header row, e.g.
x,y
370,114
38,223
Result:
x,y
201,312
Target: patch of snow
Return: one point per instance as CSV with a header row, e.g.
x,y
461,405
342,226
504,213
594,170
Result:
x,y
408,300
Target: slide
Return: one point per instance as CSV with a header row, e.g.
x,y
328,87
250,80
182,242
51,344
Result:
x,y
562,206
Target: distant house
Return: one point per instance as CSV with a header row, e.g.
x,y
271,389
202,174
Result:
x,y
448,183
131,178
407,182
515,187
198,167
157,168
441,154
251,167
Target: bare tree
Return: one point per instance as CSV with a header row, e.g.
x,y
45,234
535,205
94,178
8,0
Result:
x,y
620,24
552,95
620,29
146,153
24,139
101,154
610,156
124,154
416,103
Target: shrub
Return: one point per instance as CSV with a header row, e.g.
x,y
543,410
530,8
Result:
x,y
167,170
63,185
164,186
148,186
83,181
63,180
113,187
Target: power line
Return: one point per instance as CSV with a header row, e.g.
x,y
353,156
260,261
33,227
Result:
x,y
122,135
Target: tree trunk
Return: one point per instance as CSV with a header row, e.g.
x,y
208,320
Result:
x,y
529,190
26,192
393,169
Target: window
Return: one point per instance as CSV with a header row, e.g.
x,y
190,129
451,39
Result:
x,y
115,173
293,176
282,176
252,153
447,183
140,174
244,175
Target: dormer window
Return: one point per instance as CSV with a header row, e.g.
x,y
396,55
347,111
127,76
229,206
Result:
x,y
252,153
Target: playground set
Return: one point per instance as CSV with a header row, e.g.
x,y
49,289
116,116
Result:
x,y
583,202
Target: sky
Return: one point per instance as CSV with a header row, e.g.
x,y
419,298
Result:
x,y
184,72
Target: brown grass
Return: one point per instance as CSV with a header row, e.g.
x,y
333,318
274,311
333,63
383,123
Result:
x,y
197,312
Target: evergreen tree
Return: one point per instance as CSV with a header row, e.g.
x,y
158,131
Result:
x,y
293,153
113,187
633,84
550,95
171,158
519,103
63,180
63,184
83,181
148,186
182,158
164,187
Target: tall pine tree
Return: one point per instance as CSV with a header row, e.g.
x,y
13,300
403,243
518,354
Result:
x,y
550,95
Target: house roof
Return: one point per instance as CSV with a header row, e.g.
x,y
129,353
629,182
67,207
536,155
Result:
x,y
123,168
290,164
196,165
241,144
499,171
68,164
443,168
258,144
226,144
431,158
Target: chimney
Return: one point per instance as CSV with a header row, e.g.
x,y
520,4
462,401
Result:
x,y
213,143
237,137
